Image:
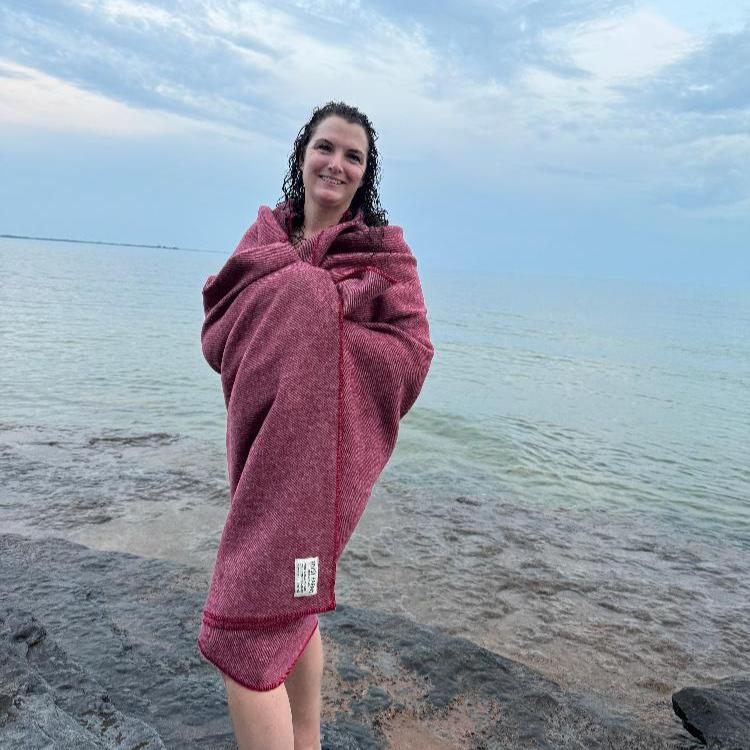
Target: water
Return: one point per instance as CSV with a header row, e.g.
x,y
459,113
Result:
x,y
570,490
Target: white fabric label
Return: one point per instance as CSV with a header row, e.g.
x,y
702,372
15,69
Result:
x,y
306,576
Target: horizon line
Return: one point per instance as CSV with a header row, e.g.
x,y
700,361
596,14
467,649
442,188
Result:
x,y
105,242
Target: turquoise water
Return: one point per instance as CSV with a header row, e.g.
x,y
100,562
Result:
x,y
557,392
571,489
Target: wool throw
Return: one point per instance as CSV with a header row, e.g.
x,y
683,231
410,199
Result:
x,y
322,348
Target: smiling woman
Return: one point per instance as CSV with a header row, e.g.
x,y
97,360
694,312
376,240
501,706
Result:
x,y
332,171
318,328
334,167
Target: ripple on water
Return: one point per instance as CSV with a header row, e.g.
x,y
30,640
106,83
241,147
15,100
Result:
x,y
615,601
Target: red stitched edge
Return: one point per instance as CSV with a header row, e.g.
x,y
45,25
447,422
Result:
x,y
248,623
339,440
240,623
253,687
230,623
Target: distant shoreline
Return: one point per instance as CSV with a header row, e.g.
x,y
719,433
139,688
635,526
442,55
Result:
x,y
101,242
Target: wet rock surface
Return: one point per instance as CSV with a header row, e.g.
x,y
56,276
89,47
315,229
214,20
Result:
x,y
719,714
97,650
46,698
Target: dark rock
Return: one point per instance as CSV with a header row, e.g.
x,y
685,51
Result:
x,y
98,650
719,714
351,672
46,698
122,632
346,734
376,701
514,707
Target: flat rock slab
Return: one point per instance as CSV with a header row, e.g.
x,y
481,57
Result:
x,y
719,714
47,698
97,650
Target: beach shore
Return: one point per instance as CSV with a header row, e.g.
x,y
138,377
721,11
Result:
x,y
98,644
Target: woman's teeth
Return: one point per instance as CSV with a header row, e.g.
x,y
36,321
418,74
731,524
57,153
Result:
x,y
331,180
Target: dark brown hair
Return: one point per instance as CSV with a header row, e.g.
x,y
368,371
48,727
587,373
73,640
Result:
x,y
366,197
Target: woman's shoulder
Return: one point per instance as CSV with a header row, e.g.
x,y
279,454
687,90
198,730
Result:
x,y
394,232
394,239
265,230
272,223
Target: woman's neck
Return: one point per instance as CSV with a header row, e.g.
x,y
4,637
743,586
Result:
x,y
317,219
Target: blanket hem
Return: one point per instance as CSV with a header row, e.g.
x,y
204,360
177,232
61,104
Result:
x,y
251,623
263,687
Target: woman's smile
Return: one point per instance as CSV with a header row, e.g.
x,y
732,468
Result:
x,y
333,169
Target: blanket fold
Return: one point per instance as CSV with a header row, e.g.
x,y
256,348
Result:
x,y
319,360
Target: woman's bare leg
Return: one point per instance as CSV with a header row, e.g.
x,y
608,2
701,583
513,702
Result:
x,y
261,719
303,688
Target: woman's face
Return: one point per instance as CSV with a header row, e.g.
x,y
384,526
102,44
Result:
x,y
334,163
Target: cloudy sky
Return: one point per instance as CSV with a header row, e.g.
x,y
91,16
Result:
x,y
594,137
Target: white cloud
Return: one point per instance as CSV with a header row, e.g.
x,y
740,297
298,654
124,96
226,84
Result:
x,y
634,45
386,73
30,97
549,128
713,180
611,52
119,10
506,96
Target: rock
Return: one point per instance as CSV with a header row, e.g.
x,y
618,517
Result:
x,y
98,650
719,714
452,693
126,626
48,698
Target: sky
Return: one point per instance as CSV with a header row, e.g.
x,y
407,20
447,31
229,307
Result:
x,y
575,137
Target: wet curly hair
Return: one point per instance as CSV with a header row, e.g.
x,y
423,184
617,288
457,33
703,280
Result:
x,y
366,197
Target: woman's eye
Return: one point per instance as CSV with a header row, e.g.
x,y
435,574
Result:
x,y
356,158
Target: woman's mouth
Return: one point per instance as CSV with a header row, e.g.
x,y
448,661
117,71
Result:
x,y
331,180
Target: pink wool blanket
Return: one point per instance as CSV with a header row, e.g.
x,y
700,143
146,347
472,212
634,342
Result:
x,y
322,348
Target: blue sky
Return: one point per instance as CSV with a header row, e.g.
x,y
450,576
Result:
x,y
591,137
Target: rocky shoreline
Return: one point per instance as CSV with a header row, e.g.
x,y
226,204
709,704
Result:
x,y
97,650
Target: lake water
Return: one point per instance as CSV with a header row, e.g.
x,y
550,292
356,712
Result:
x,y
571,489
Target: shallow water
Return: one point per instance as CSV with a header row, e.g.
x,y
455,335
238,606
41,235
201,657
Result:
x,y
543,391
598,600
571,489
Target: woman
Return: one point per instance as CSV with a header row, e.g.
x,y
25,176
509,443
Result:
x,y
318,328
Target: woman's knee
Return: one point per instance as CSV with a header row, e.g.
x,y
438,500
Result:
x,y
239,693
